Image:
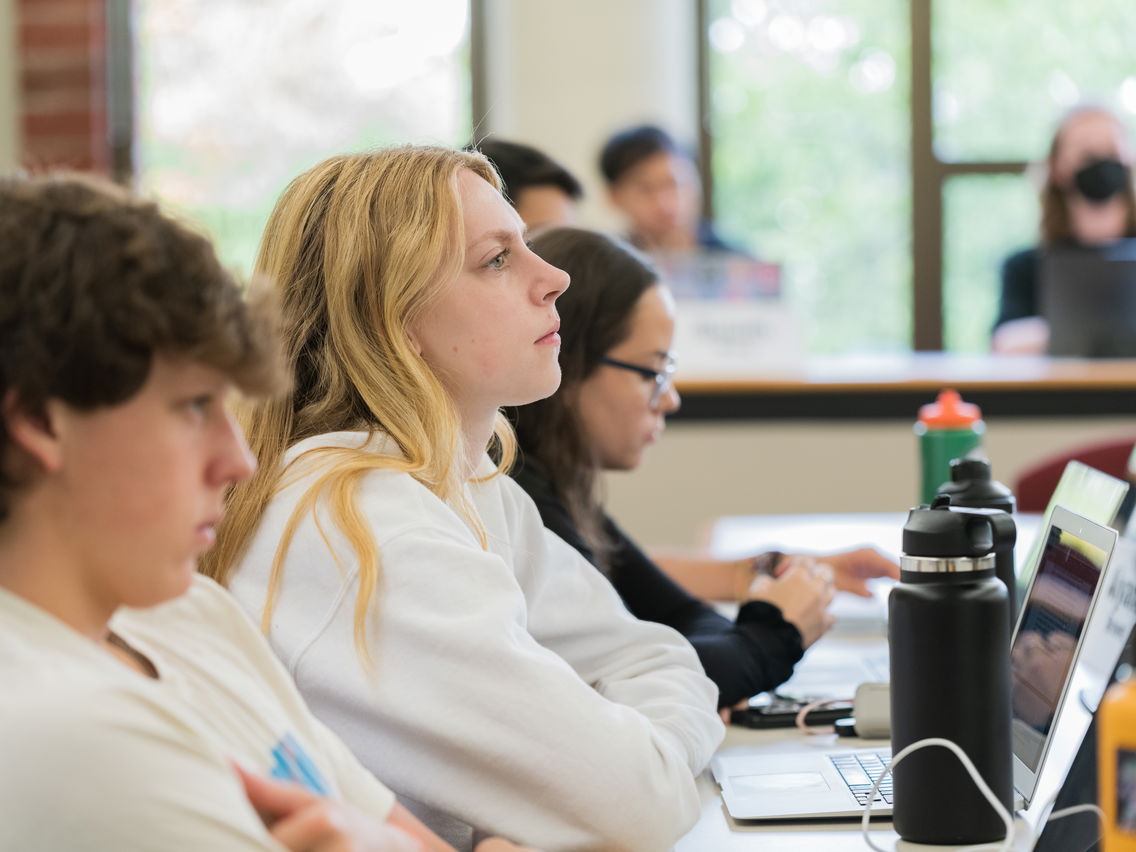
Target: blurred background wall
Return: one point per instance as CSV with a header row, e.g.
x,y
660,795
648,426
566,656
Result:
x,y
9,110
564,76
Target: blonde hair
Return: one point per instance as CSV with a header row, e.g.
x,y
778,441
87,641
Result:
x,y
357,247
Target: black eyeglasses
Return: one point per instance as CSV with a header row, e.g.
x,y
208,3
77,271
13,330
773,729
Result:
x,y
663,378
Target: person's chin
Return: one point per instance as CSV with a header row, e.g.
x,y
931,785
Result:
x,y
180,581
628,462
540,390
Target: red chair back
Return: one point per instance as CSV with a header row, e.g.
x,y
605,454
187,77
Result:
x,y
1036,485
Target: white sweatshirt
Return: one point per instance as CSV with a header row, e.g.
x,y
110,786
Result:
x,y
512,692
96,757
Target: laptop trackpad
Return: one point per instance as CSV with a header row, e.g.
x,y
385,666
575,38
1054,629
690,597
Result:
x,y
777,782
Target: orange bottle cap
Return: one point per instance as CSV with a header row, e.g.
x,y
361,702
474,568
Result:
x,y
949,412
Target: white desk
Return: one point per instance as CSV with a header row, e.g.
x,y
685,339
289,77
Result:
x,y
716,831
739,535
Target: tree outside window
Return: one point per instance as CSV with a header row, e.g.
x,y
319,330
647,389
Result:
x,y
811,110
236,99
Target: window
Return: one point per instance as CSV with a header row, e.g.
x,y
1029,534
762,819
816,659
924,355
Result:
x,y
236,99
813,106
1003,75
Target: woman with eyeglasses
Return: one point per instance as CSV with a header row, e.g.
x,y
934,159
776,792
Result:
x,y
617,325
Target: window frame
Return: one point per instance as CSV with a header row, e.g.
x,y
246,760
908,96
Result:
x,y
929,173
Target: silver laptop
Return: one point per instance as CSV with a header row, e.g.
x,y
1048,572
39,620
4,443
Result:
x,y
769,782
1090,493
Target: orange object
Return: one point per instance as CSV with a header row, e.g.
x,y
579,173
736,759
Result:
x,y
1116,764
949,412
948,428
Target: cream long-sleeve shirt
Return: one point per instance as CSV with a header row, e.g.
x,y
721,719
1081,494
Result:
x,y
511,692
96,757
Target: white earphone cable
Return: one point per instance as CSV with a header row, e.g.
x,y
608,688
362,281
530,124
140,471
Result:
x,y
1007,843
979,781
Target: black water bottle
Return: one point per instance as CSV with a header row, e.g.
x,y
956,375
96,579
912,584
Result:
x,y
948,630
971,485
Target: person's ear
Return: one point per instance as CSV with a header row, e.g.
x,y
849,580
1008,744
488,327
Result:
x,y
34,432
412,339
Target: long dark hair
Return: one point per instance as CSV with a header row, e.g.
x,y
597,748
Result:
x,y
608,277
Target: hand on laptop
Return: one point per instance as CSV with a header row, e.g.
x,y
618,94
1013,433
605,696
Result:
x,y
1025,336
802,591
852,569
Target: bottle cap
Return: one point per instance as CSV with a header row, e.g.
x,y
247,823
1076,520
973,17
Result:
x,y
971,485
944,532
970,469
949,412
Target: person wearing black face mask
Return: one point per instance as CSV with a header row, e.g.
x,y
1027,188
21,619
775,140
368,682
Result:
x,y
1087,199
1100,180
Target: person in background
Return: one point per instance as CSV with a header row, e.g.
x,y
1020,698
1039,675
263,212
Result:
x,y
617,325
655,184
543,192
141,708
462,650
1087,199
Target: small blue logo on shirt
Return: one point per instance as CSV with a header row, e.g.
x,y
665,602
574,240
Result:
x,y
291,763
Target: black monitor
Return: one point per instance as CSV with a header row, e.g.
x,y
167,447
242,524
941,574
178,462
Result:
x,y
1088,297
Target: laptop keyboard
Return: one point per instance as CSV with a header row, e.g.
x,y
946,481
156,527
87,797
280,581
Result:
x,y
860,772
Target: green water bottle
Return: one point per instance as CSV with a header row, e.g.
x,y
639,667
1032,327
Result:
x,y
948,429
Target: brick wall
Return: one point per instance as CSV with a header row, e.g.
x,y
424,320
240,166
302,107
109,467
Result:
x,y
62,78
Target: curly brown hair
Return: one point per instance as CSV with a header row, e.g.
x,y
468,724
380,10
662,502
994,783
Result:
x,y
93,283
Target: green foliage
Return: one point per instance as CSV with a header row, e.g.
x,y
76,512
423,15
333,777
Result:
x,y
811,145
810,164
237,99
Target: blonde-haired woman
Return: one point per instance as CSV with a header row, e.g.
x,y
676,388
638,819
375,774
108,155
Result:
x,y
470,658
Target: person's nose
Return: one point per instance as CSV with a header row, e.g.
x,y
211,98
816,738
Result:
x,y
234,462
670,402
667,201
551,281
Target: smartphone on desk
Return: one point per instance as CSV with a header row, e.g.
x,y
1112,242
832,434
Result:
x,y
772,710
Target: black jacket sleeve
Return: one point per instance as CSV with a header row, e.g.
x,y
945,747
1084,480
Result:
x,y
751,654
1019,287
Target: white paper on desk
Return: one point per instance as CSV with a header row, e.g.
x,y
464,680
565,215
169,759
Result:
x,y
859,654
863,616
835,670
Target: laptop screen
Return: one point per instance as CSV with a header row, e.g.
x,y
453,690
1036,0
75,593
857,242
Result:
x,y
1086,491
1049,631
1088,297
